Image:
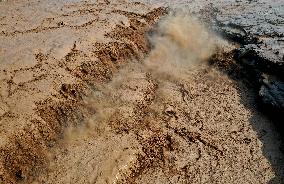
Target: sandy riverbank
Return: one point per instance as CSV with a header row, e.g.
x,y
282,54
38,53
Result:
x,y
88,96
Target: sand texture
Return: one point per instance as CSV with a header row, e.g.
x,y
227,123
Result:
x,y
122,92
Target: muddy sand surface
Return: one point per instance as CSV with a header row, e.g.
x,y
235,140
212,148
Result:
x,y
122,92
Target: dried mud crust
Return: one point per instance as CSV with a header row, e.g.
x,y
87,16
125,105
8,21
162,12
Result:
x,y
54,94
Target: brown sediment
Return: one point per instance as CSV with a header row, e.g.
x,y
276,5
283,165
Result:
x,y
87,115
26,151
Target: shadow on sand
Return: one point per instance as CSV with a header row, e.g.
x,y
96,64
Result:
x,y
264,121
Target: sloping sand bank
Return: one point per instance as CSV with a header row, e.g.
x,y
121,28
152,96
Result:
x,y
121,92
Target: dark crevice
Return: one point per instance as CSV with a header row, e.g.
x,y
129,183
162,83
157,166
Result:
x,y
258,68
